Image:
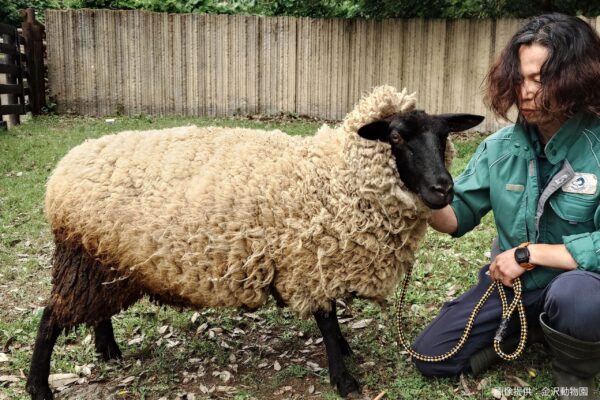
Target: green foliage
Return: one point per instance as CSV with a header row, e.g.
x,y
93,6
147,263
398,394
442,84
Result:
x,y
450,9
9,9
453,9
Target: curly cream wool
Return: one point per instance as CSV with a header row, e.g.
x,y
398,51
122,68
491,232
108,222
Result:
x,y
225,217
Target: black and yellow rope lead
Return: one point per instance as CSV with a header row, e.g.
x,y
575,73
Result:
x,y
507,311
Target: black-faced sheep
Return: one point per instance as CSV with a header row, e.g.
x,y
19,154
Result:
x,y
211,217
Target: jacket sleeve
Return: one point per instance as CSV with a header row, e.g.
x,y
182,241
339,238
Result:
x,y
585,247
472,192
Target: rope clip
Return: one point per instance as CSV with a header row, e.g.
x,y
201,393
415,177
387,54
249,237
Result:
x,y
501,331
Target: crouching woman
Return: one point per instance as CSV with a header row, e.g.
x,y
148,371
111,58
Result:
x,y
540,178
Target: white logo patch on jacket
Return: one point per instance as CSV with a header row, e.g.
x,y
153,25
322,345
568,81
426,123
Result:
x,y
581,183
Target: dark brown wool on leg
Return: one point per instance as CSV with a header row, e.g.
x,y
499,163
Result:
x,y
83,291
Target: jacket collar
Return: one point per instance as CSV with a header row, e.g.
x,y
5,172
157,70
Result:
x,y
557,147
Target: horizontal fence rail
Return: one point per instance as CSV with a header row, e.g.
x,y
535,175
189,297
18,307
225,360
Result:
x,y
102,62
12,73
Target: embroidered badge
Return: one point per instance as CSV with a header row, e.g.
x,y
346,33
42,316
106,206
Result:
x,y
581,183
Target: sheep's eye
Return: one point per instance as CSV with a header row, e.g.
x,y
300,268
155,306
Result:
x,y
395,137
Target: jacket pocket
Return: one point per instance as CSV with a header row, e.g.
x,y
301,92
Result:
x,y
574,207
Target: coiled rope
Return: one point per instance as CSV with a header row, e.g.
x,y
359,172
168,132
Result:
x,y
507,311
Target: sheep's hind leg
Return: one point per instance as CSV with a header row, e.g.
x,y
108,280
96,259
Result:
x,y
37,381
106,345
83,291
338,373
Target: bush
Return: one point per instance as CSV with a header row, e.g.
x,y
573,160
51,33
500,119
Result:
x,y
450,9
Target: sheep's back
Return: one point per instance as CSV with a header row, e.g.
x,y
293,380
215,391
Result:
x,y
173,208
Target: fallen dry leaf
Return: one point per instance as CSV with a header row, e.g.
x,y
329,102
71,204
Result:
x,y
415,308
195,317
277,366
253,316
127,381
163,329
205,389
60,380
136,340
481,384
87,340
465,385
84,369
9,378
363,323
497,393
283,390
224,376
226,389
202,328
3,357
380,395
451,291
314,366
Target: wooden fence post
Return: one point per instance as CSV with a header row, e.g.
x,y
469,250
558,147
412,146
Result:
x,y
34,32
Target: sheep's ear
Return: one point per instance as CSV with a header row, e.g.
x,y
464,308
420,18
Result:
x,y
377,130
461,122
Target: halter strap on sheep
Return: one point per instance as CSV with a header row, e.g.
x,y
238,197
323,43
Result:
x,y
507,311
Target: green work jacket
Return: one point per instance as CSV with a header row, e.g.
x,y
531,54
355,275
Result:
x,y
504,175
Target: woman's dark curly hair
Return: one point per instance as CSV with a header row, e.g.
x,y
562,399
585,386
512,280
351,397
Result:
x,y
570,77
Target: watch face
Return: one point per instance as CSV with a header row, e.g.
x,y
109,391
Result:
x,y
522,255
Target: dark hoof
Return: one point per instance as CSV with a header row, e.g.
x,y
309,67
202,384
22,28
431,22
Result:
x,y
345,384
109,351
39,391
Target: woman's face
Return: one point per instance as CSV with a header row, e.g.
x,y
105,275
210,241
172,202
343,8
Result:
x,y
531,59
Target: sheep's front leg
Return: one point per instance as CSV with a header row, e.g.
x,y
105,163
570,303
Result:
x,y
106,344
345,347
338,373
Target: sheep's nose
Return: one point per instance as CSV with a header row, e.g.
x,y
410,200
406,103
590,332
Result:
x,y
442,187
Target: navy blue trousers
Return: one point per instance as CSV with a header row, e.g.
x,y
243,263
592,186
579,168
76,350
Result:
x,y
571,302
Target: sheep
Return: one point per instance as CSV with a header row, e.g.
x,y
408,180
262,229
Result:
x,y
221,217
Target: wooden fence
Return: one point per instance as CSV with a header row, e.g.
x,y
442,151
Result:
x,y
105,62
22,71
12,90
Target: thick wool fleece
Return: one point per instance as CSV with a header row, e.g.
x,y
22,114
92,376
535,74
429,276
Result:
x,y
224,217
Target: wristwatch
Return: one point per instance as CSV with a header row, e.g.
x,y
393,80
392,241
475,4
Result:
x,y
522,256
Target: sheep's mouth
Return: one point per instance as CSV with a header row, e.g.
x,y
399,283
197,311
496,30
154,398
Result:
x,y
436,200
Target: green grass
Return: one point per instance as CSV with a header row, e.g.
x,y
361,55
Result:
x,y
194,349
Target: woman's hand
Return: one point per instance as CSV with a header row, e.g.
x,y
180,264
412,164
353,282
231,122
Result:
x,y
505,268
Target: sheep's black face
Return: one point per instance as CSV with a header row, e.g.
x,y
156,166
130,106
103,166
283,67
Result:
x,y
418,143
